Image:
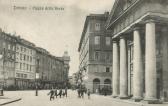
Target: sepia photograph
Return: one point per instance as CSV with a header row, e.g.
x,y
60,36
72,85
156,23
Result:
x,y
83,52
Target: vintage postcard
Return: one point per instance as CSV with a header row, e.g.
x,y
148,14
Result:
x,y
83,52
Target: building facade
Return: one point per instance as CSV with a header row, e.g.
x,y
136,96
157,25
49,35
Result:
x,y
25,63
140,49
95,53
7,61
51,69
21,62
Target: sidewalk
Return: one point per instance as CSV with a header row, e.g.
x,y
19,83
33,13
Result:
x,y
129,101
6,100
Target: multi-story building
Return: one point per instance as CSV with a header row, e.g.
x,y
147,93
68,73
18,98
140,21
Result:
x,y
7,61
21,62
51,69
95,53
66,59
25,63
140,49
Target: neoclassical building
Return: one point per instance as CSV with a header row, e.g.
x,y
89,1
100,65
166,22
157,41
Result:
x,y
140,49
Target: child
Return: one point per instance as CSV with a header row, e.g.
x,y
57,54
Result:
x,y
88,93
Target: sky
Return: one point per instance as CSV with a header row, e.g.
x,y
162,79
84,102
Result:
x,y
55,25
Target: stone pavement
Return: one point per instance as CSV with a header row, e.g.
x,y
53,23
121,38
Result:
x,y
6,100
29,99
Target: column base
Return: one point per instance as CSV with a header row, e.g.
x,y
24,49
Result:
x,y
152,101
114,96
136,99
124,97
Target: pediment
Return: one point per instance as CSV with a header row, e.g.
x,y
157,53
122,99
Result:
x,y
119,7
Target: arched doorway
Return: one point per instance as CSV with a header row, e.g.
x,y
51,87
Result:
x,y
96,85
107,86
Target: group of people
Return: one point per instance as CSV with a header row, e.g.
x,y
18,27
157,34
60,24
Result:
x,y
81,91
58,93
54,93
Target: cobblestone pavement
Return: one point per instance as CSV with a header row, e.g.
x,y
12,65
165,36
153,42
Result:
x,y
29,99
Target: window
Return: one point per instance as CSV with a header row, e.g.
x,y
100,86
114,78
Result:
x,y
21,75
24,57
13,48
107,69
17,47
30,68
20,65
24,66
30,59
27,67
97,40
96,55
13,56
97,26
108,41
20,56
21,48
24,75
107,56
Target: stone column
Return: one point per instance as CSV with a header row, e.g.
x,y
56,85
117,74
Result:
x,y
150,63
116,70
164,40
123,69
137,67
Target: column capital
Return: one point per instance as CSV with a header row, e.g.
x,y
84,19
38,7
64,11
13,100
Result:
x,y
114,41
150,21
122,37
136,27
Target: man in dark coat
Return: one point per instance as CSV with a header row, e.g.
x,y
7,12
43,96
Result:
x,y
56,92
60,93
51,93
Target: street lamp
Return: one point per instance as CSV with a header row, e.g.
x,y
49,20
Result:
x,y
1,91
36,78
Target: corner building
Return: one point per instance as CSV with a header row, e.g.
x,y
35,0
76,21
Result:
x,y
95,54
7,62
140,49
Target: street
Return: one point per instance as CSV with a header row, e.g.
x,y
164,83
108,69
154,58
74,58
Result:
x,y
29,99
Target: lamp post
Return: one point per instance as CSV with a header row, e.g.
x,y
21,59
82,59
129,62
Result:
x,y
36,80
37,77
1,91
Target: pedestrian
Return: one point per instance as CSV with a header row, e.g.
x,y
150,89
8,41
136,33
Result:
x,y
63,93
66,91
78,93
51,93
88,93
82,92
56,92
60,92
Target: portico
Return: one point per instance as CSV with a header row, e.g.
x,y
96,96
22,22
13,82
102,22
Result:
x,y
138,51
